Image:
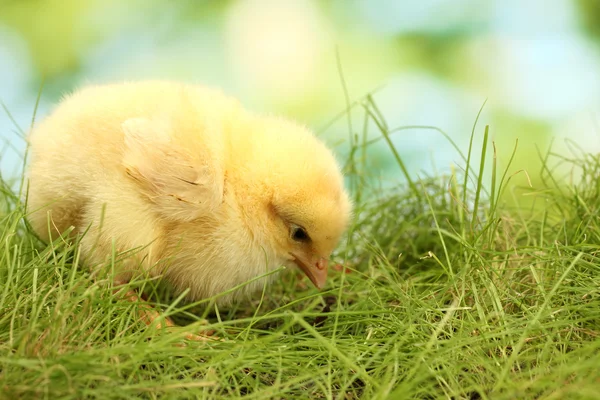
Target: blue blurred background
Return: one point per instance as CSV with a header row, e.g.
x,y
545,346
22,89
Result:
x,y
431,62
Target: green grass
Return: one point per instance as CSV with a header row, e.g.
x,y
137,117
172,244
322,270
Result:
x,y
451,294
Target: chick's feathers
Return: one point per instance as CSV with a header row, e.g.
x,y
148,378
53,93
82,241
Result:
x,y
204,190
165,171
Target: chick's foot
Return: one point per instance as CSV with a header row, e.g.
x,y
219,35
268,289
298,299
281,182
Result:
x,y
151,317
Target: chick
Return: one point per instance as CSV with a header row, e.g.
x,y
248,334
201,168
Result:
x,y
210,195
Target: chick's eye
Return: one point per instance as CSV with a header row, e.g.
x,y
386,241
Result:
x,y
299,234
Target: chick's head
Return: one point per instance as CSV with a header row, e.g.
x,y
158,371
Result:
x,y
302,205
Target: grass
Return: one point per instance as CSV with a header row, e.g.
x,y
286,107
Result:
x,y
449,294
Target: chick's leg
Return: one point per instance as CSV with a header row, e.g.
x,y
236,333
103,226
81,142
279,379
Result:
x,y
97,246
150,316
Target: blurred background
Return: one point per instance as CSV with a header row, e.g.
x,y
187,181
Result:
x,y
431,62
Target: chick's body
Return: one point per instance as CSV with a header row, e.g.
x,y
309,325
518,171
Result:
x,y
209,194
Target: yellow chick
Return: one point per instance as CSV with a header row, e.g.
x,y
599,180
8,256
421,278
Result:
x,y
210,194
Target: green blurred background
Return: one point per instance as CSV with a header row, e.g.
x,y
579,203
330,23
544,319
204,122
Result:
x,y
428,62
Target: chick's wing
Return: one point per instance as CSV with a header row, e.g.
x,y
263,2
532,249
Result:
x,y
183,184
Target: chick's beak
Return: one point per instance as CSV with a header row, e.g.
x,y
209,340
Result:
x,y
315,270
